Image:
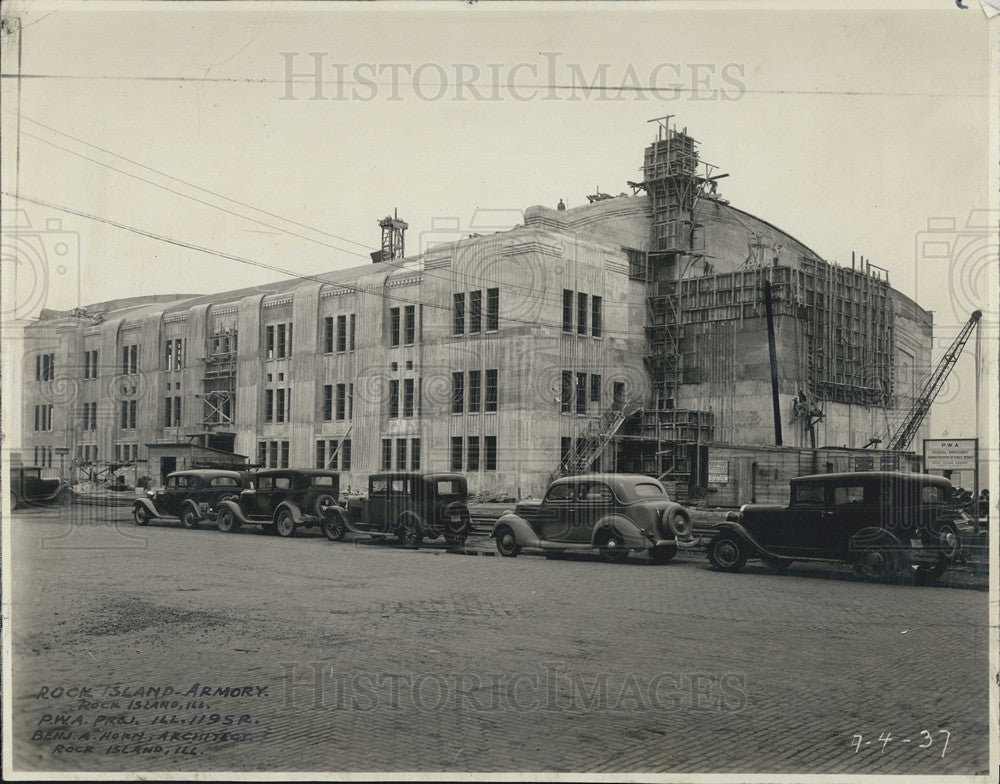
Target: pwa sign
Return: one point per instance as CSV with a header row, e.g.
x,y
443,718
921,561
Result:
x,y
951,454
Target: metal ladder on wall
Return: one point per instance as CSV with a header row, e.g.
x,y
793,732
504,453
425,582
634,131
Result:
x,y
593,442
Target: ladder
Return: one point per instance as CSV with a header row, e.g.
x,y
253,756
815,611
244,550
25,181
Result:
x,y
593,442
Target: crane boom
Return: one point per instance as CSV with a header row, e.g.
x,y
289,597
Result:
x,y
922,404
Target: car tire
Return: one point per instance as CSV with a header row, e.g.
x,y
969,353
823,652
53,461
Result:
x,y
776,564
323,502
408,530
140,514
13,501
612,548
188,518
950,543
285,524
926,574
507,544
679,524
334,527
663,554
877,562
727,552
227,521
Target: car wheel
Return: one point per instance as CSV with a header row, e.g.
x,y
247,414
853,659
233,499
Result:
x,y
776,564
454,540
334,527
411,533
285,524
13,501
663,554
324,502
949,542
877,562
507,544
613,549
227,522
140,514
188,518
727,553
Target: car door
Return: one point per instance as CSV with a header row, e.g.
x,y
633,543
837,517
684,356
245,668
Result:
x,y
170,501
594,502
261,497
795,531
374,516
853,506
552,519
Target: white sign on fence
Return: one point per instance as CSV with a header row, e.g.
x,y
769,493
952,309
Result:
x,y
950,454
718,472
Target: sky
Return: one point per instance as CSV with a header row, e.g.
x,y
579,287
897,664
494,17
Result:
x,y
849,129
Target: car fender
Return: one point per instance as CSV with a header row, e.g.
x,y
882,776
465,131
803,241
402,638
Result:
x,y
233,507
149,505
292,507
737,529
190,503
873,535
629,531
524,534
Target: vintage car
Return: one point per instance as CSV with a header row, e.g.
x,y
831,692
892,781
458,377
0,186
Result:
x,y
880,522
614,513
27,488
191,496
410,506
282,500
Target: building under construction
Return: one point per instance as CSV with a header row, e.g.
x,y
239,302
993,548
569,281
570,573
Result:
x,y
663,331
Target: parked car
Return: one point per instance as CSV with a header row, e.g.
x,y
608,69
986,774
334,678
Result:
x,y
410,506
282,500
191,496
614,513
27,488
880,522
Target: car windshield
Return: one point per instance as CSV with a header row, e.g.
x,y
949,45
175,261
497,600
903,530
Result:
x,y
648,490
32,473
225,481
449,487
809,495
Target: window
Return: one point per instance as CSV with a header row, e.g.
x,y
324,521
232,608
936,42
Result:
x,y
490,453
386,454
567,310
45,367
456,453
280,397
491,390
168,419
595,491
86,416
89,364
409,324
350,341
393,398
457,393
328,335
279,339
321,454
407,397
268,405
848,495
350,401
567,392
341,402
341,333
269,341
394,326
284,455
174,354
345,455
636,263
130,359
472,458
43,417
475,312
581,314
581,393
595,388
492,309
931,494
262,453
564,492
618,392
475,391
596,316
401,454
458,314
93,415
328,402
809,495
131,414
415,454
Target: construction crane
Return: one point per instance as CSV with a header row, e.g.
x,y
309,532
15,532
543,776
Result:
x,y
922,403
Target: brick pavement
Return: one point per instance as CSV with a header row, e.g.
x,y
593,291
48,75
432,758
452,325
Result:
x,y
376,658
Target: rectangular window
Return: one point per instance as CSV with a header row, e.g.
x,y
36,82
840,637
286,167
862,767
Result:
x,y
130,360
456,453
38,419
475,391
350,401
567,391
394,326
400,454
93,416
595,388
409,324
262,453
328,335
475,312
124,419
618,392
386,454
168,418
492,309
170,354
565,444
457,393
341,333
177,412
350,341
321,454
269,341
490,456
492,391
393,398
345,455
279,405
284,455
341,402
272,454
596,316
415,454
131,414
268,405
279,340
334,449
458,314
38,377
407,397
581,314
420,396
327,402
472,458
567,310
86,416
581,393
178,353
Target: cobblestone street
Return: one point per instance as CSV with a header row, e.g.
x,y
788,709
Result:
x,y
161,649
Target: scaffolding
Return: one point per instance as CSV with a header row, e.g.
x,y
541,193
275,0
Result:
x,y
219,380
